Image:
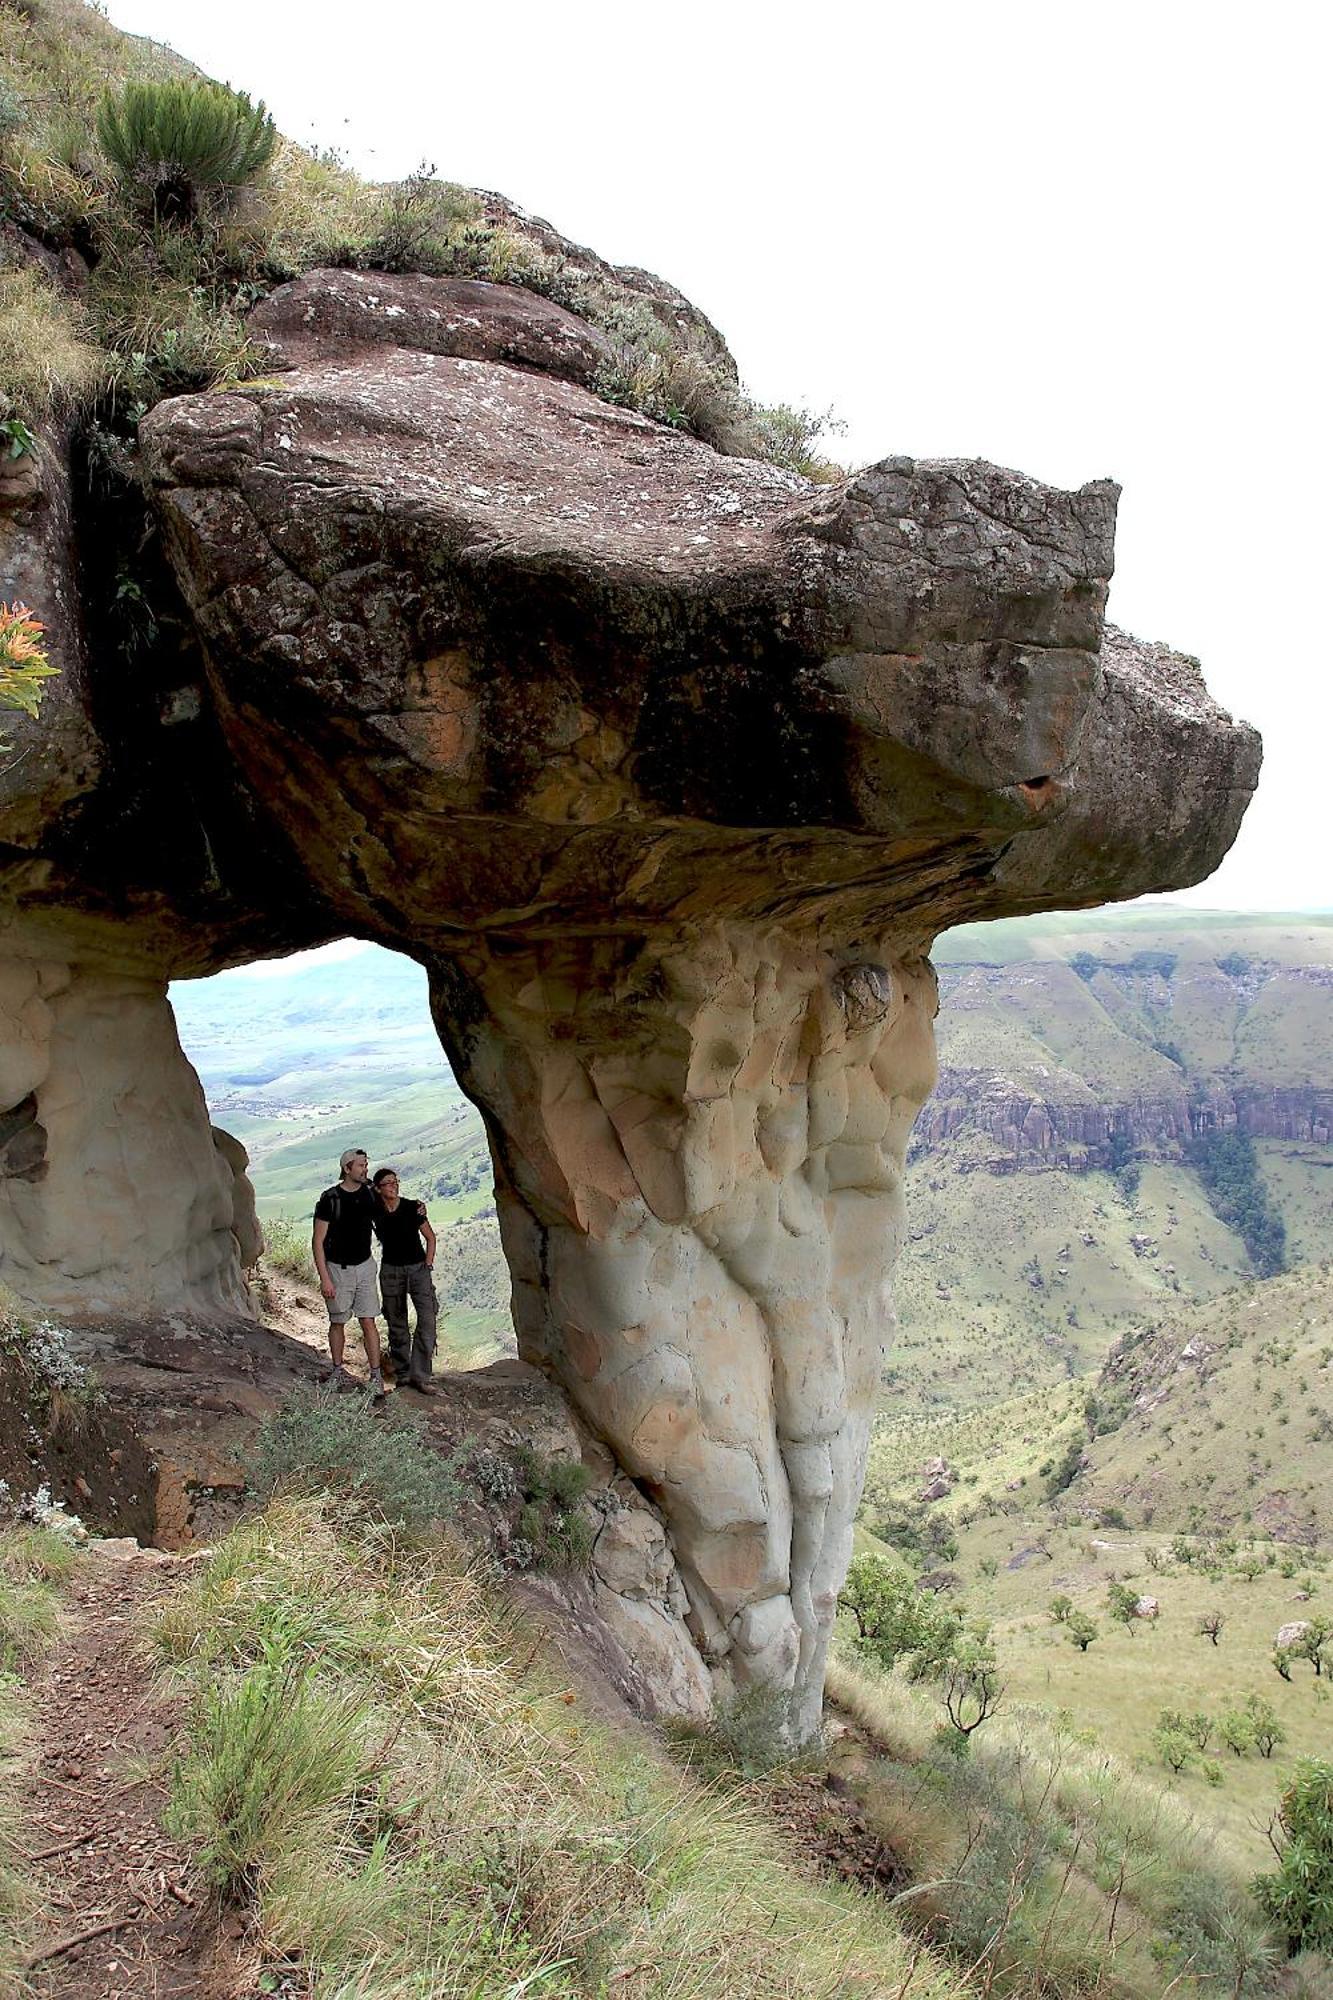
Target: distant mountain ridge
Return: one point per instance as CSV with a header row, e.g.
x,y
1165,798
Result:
x,y
1082,1042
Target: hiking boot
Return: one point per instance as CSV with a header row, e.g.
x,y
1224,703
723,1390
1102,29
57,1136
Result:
x,y
378,1395
423,1385
339,1381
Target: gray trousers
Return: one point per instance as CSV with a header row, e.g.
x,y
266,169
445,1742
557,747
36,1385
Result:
x,y
413,1353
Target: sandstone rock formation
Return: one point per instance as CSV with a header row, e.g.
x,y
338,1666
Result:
x,y
669,767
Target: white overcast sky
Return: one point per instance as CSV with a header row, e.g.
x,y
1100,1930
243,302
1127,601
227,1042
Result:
x,y
1086,239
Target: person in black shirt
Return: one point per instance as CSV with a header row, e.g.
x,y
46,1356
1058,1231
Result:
x,y
407,1243
344,1217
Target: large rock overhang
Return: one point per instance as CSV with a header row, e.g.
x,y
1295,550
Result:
x,y
669,767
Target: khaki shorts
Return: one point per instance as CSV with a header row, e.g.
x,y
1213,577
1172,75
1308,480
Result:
x,y
356,1292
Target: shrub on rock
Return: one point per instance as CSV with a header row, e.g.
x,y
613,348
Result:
x,y
176,144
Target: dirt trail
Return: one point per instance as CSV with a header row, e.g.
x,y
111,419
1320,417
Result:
x,y
107,1873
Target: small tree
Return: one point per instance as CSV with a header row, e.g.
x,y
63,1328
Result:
x,y
1299,1896
1081,1629
1210,1625
1237,1732
1060,1608
176,144
1122,1604
1265,1727
894,1621
1199,1728
1173,1747
971,1685
1314,1643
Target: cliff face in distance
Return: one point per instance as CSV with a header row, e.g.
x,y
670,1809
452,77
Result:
x,y
1084,1043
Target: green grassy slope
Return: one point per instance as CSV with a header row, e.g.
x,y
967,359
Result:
x,y
998,1291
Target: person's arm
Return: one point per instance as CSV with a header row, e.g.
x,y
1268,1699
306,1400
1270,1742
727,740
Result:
x,y
428,1235
326,1284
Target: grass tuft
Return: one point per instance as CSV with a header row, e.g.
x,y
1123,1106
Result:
x,y
322,1443
48,363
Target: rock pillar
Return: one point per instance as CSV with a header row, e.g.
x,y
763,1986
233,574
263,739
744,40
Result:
x,y
699,1145
112,1193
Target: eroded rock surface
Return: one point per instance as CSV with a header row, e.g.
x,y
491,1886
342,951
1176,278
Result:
x,y
669,767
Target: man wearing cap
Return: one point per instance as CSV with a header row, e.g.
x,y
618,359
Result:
x,y
344,1217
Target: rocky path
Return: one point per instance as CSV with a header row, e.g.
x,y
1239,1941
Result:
x,y
121,1921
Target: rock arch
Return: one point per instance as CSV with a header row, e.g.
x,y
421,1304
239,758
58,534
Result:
x,y
668,767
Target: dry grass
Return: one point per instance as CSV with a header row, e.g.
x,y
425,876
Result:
x,y
47,362
488,1840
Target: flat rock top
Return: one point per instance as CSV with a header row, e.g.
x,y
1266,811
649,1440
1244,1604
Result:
x,y
516,599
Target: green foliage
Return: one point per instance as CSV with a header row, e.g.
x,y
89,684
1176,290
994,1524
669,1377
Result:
x,y
970,1684
895,1622
1060,1608
268,1756
1228,1169
1065,1469
1236,1730
47,362
1265,1727
422,223
441,1819
553,1527
1173,1746
178,143
789,435
922,1535
287,1247
1081,1630
1298,1896
1159,964
1122,1605
24,666
324,1443
27,1622
20,442
748,1737
1312,1645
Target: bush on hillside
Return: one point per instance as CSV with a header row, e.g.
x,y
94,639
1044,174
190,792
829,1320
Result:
x,y
1299,1895
177,145
323,1443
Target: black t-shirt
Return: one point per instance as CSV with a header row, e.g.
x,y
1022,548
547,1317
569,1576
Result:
x,y
349,1217
400,1231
